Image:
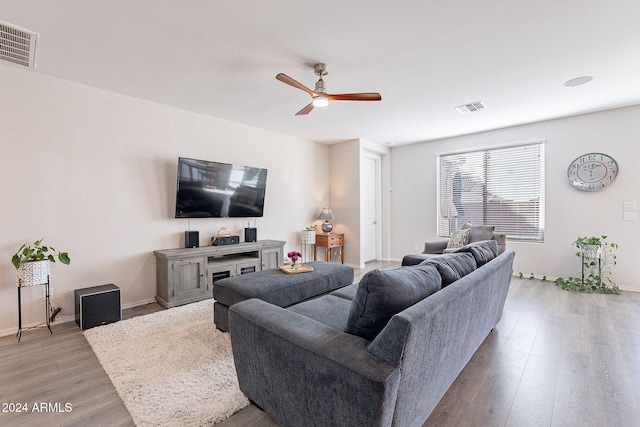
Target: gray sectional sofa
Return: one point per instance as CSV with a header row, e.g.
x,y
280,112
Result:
x,y
381,352
439,246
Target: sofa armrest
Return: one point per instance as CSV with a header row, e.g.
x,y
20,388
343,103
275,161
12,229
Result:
x,y
435,246
501,239
303,372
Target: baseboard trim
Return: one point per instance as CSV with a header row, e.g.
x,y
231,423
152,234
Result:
x,y
65,318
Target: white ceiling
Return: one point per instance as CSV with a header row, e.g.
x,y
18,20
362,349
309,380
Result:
x,y
425,57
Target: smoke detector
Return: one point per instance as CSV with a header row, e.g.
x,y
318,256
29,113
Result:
x,y
472,107
17,45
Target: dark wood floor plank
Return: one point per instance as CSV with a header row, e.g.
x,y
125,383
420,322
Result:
x,y
576,334
549,337
533,404
574,392
493,405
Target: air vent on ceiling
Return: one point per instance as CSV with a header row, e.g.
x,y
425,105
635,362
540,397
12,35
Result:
x,y
17,45
470,108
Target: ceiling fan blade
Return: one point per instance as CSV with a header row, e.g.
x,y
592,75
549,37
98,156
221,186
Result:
x,y
305,110
288,80
366,96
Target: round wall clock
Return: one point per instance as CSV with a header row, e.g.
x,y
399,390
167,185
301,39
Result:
x,y
592,172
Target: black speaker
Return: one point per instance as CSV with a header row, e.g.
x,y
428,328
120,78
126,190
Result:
x,y
223,241
97,305
250,234
191,239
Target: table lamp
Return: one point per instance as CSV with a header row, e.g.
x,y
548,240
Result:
x,y
326,215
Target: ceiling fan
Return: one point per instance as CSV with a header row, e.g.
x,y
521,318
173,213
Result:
x,y
320,97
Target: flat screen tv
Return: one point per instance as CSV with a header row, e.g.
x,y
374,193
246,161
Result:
x,y
219,190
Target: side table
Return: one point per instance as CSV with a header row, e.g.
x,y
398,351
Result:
x,y
329,241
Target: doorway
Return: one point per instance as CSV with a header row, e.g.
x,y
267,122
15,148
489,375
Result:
x,y
370,209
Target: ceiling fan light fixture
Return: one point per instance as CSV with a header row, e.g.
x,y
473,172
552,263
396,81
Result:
x,y
320,101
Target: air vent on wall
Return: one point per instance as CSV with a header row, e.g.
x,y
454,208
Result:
x,y
470,108
17,45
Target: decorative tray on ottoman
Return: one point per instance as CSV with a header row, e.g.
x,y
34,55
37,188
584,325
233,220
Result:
x,y
300,268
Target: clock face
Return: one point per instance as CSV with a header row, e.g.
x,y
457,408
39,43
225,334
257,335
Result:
x,y
592,172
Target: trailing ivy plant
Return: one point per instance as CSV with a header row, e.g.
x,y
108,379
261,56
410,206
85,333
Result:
x,y
593,281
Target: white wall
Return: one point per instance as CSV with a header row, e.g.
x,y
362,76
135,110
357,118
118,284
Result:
x,y
345,195
570,213
94,172
344,184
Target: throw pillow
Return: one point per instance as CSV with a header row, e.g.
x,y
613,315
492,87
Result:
x,y
383,293
479,232
458,239
483,251
452,266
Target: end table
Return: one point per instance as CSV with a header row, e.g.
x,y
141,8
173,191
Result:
x,y
329,241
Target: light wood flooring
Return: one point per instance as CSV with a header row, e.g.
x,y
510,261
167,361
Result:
x,y
555,359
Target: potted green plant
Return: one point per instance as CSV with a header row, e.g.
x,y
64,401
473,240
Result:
x,y
309,235
598,258
32,263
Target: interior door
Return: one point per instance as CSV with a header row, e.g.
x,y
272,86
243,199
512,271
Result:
x,y
370,208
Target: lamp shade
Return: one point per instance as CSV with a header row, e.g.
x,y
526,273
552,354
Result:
x,y
326,214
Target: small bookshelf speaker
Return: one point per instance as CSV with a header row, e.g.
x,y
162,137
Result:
x,y
191,239
251,234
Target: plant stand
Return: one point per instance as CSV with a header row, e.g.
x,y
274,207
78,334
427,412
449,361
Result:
x,y
47,308
308,238
591,256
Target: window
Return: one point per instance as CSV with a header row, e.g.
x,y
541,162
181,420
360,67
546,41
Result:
x,y
503,187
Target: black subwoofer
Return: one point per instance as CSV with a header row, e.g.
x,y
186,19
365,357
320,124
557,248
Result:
x,y
98,305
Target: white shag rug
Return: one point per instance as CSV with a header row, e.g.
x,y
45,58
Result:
x,y
172,367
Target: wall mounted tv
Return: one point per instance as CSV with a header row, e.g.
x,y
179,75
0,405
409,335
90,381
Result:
x,y
219,190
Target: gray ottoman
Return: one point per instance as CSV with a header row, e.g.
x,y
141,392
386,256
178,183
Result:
x,y
277,287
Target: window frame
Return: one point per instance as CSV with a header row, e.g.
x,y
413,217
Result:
x,y
531,229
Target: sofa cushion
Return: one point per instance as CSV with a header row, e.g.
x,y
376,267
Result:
x,y
458,239
330,310
415,259
383,293
483,251
348,292
478,232
452,266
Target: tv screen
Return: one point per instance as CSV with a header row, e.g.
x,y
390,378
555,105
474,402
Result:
x,y
219,190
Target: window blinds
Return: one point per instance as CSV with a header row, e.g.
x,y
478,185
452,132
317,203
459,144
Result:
x,y
503,187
